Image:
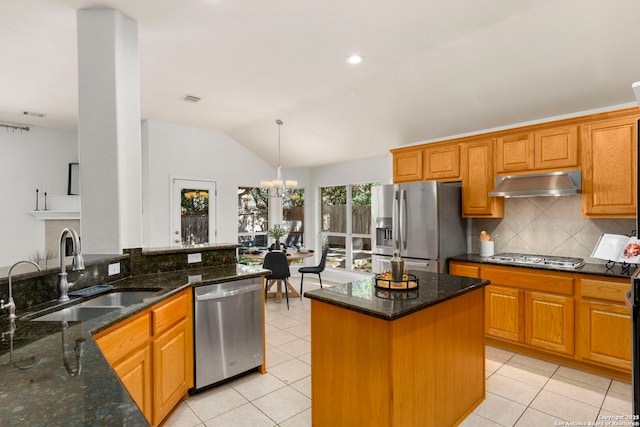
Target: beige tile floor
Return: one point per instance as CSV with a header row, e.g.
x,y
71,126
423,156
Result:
x,y
521,391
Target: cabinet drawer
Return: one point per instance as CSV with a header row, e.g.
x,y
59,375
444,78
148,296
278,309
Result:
x,y
126,338
605,289
467,270
169,313
521,278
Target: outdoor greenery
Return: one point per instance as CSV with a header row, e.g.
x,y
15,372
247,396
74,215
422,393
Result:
x,y
195,201
337,196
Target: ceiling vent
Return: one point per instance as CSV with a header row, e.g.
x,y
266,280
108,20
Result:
x,y
32,114
190,98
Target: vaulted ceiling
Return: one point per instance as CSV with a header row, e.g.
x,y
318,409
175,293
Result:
x,y
431,68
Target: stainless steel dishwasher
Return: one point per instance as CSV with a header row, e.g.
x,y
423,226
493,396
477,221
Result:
x,y
228,330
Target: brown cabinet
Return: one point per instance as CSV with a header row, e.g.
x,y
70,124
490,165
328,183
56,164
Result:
x,y
579,319
407,165
441,161
609,173
478,180
504,313
605,323
152,355
549,322
555,148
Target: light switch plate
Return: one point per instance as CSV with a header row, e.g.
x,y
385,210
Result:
x,y
191,258
114,268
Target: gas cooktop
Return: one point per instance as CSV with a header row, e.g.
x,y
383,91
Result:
x,y
530,259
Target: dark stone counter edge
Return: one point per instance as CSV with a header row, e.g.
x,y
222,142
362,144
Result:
x,y
477,283
189,249
588,268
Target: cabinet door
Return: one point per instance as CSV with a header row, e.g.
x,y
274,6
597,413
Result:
x,y
609,168
504,313
549,322
462,269
514,153
442,162
557,148
478,180
135,373
407,166
605,333
171,369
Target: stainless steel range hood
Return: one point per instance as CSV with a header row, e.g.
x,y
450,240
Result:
x,y
563,183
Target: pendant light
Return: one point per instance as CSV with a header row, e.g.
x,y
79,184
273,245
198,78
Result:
x,y
278,186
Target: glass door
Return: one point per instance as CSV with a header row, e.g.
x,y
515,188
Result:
x,y
193,212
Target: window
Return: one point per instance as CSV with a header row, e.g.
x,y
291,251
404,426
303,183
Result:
x,y
253,216
293,217
346,224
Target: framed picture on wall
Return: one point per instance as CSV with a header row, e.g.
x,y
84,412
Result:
x,y
74,179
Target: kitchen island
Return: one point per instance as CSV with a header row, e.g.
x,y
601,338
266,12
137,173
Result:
x,y
397,358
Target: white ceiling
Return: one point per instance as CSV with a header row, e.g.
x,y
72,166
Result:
x,y
432,68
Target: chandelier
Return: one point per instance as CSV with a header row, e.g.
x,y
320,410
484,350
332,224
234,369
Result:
x,y
278,186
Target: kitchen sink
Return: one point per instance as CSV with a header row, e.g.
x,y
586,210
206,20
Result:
x,y
75,313
119,299
106,303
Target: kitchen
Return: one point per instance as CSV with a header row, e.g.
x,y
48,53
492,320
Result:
x,y
163,134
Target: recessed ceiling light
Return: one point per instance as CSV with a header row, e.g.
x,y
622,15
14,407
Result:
x,y
355,59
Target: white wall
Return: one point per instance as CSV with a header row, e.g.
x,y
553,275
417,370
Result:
x,y
171,150
39,159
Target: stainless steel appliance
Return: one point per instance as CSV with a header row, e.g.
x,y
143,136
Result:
x,y
228,331
422,220
633,296
543,260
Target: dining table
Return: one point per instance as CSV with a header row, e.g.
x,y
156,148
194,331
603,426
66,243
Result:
x,y
291,257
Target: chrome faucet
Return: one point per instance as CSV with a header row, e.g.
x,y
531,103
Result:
x,y
77,263
11,306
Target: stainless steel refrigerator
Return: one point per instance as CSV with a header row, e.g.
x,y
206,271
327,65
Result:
x,y
422,220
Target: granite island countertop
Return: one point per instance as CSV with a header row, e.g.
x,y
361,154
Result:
x,y
35,386
364,297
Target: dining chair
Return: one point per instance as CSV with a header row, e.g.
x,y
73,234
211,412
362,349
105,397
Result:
x,y
315,269
278,263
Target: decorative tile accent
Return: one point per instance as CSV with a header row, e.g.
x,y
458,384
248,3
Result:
x,y
548,226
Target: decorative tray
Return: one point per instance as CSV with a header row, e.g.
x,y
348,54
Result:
x,y
408,282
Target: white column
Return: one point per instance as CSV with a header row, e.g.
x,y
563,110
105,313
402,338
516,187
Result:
x,y
109,141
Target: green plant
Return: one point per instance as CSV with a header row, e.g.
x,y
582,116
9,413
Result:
x,y
277,231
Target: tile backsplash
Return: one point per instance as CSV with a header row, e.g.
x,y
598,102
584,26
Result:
x,y
549,226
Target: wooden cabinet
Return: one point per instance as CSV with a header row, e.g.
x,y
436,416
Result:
x,y
407,165
478,180
441,161
152,354
530,307
609,172
555,148
126,347
577,319
504,308
549,322
605,323
464,269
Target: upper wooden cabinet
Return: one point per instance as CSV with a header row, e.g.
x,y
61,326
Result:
x,y
555,148
441,161
407,165
478,181
609,172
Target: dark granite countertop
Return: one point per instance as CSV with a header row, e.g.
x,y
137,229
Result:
x,y
363,296
35,388
591,269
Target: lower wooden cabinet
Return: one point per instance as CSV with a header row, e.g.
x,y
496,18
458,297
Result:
x,y
570,317
152,354
504,314
549,322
